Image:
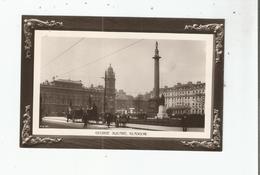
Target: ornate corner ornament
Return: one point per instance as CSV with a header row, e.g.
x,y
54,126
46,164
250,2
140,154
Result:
x,y
218,30
29,25
215,142
27,138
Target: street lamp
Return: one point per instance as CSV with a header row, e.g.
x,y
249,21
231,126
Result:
x,y
104,104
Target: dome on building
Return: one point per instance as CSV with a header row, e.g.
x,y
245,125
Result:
x,y
110,71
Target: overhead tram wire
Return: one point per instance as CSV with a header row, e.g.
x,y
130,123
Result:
x,y
102,57
63,52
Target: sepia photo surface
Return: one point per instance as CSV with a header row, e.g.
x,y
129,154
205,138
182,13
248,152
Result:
x,y
123,84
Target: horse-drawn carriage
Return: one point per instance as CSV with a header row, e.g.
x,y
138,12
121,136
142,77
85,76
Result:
x,y
75,115
81,115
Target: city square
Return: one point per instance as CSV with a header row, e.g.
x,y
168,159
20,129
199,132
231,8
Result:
x,y
68,102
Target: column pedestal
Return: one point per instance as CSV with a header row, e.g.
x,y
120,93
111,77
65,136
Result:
x,y
162,112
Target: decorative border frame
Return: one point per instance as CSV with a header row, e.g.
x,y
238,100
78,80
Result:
x,y
218,30
26,134
27,138
215,142
30,23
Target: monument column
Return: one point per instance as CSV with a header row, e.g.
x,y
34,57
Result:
x,y
160,107
156,73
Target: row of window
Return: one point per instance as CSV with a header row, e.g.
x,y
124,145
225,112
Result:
x,y
193,111
185,104
70,96
185,97
66,101
198,100
184,92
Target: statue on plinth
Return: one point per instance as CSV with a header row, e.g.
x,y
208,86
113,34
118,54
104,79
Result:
x,y
162,100
162,109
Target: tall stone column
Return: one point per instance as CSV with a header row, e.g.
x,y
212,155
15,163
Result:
x,y
156,72
156,78
156,75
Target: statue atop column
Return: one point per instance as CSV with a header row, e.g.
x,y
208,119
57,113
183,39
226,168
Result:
x,y
156,50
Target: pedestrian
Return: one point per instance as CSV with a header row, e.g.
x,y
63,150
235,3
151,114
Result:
x,y
95,113
117,120
124,119
85,119
81,112
108,119
184,122
69,113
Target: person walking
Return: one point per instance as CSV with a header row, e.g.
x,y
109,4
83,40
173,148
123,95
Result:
x,y
108,119
184,122
95,113
85,119
69,113
117,120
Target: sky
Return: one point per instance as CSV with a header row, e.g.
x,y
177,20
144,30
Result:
x,y
86,59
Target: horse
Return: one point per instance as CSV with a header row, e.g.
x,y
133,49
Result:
x,y
78,115
92,114
74,114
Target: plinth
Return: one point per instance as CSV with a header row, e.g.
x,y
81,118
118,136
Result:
x,y
162,112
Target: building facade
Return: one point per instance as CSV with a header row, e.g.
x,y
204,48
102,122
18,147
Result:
x,y
56,96
140,103
185,98
123,101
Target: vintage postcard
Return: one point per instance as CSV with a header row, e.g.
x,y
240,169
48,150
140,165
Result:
x,y
122,83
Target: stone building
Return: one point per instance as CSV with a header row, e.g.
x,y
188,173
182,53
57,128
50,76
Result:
x,y
123,101
189,98
140,103
56,96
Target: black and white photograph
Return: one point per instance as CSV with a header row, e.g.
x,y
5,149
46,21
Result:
x,y
125,84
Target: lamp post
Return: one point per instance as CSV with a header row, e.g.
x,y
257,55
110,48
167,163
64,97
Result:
x,y
104,104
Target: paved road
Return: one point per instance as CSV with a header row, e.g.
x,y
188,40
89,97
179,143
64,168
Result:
x,y
61,122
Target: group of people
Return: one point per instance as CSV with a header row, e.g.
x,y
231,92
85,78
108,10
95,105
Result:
x,y
91,113
119,119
